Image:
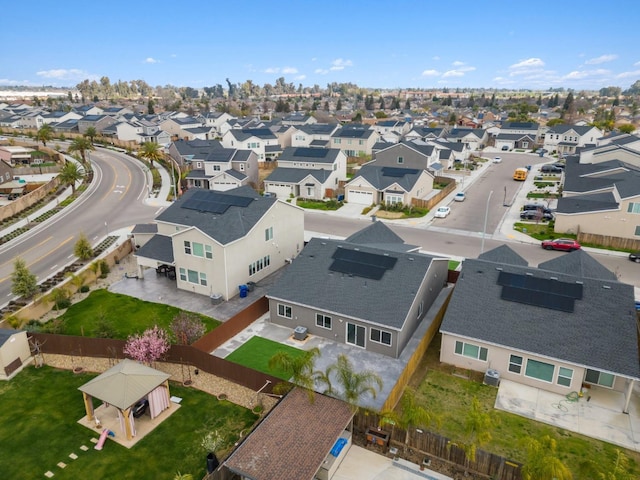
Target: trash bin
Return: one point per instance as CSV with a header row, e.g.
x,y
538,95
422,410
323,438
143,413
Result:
x,y
243,290
251,286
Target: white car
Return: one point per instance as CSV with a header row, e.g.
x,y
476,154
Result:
x,y
460,196
497,160
442,212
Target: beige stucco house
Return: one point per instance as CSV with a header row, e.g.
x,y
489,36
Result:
x,y
216,241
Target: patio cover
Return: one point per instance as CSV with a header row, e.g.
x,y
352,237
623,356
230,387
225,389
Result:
x,y
122,386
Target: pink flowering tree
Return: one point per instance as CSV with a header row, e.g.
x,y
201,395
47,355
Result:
x,y
148,346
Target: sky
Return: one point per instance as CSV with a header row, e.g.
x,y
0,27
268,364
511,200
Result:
x,y
371,43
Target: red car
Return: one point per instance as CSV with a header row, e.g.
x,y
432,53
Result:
x,y
564,244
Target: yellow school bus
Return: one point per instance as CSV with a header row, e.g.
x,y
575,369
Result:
x,y
520,174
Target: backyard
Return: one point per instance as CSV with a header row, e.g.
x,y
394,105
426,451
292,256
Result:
x,y
40,429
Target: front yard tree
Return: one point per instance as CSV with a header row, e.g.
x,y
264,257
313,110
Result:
x,y
23,282
150,151
44,134
82,248
81,145
148,346
70,174
542,462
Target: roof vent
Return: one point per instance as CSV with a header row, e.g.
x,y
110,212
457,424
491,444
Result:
x,y
411,259
529,274
499,269
608,287
553,278
579,282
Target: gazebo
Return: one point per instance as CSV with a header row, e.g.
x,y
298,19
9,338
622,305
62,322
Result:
x,y
125,384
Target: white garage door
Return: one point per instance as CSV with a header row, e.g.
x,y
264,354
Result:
x,y
281,191
359,197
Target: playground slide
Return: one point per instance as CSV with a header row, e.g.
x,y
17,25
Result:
x,y
103,438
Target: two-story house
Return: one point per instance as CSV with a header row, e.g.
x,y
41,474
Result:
x,y
313,135
565,139
355,139
262,141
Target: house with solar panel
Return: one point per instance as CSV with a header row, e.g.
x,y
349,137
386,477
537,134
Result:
x,y
212,242
262,141
355,139
558,327
312,173
316,135
369,291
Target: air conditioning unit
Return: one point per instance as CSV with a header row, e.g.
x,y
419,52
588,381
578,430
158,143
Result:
x,y
300,333
492,377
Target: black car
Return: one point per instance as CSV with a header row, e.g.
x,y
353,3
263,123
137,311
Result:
x,y
536,215
535,207
551,169
634,257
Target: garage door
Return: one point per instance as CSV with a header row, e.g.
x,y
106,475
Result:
x,y
359,197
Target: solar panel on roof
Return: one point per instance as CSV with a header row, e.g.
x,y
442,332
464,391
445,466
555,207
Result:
x,y
538,299
537,284
214,202
363,270
398,172
385,261
311,152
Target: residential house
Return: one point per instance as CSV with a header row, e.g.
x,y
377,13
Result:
x,y
15,155
354,140
313,135
425,133
117,111
216,241
213,167
59,117
85,110
471,138
399,127
459,151
15,353
406,155
177,127
375,184
99,122
306,172
558,327
297,119
262,141
68,126
215,120
6,172
511,141
566,139
521,128
283,134
369,291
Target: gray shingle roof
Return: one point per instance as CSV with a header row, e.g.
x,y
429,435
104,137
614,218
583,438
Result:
x,y
503,255
377,177
353,131
145,228
385,302
318,128
596,202
580,264
159,247
560,129
600,333
378,235
308,154
235,223
296,175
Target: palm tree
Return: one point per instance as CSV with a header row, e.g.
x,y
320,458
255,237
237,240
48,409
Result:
x,y
542,462
477,430
91,133
70,174
44,134
150,151
300,368
81,145
353,384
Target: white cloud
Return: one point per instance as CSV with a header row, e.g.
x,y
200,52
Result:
x,y
637,64
340,64
66,74
457,63
431,73
436,58
151,60
529,63
321,71
7,82
635,73
581,74
452,73
272,70
601,59
173,55
289,70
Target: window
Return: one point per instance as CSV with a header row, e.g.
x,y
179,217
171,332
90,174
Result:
x,y
393,199
183,274
355,335
380,336
400,160
208,252
337,141
268,234
539,370
216,168
198,164
323,321
192,276
633,207
198,249
565,375
242,167
471,351
284,311
187,247
599,378
515,364
258,265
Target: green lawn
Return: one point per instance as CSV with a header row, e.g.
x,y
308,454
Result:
x,y
38,429
123,314
319,204
449,397
256,353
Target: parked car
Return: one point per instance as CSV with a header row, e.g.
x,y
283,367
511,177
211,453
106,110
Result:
x,y
536,206
634,257
551,168
442,212
497,159
564,244
460,196
536,215
505,148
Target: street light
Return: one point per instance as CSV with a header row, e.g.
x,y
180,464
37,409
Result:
x,y
486,216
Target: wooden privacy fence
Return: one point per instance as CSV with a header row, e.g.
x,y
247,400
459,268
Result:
x,y
617,243
432,444
437,198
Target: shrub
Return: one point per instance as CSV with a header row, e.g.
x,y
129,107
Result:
x,y
104,269
84,288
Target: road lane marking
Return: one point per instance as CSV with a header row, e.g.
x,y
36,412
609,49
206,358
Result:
x,y
43,256
32,248
55,266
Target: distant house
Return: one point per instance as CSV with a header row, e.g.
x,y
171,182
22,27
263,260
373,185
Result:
x,y
471,138
354,139
85,110
406,155
398,127
215,120
425,133
521,128
511,141
312,173
16,156
216,241
59,116
313,135
262,141
565,139
178,126
370,291
213,167
297,119
99,122
557,327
